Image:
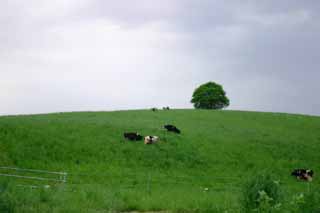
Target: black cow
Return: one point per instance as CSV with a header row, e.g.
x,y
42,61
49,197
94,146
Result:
x,y
154,109
172,128
132,136
303,174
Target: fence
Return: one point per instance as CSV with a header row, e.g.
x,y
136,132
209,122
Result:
x,y
129,180
39,175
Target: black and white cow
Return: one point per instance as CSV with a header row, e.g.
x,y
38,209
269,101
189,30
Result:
x,y
151,139
303,174
132,136
172,128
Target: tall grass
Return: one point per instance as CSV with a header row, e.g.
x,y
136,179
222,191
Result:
x,y
305,202
6,202
261,193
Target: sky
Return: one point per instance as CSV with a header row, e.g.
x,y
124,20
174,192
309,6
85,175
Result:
x,y
100,55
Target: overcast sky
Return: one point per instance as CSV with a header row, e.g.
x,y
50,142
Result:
x,y
87,55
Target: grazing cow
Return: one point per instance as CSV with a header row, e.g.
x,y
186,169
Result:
x,y
132,136
151,139
172,128
303,174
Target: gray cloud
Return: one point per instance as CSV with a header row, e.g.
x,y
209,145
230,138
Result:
x,y
101,55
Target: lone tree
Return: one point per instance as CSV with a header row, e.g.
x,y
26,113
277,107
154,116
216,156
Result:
x,y
210,96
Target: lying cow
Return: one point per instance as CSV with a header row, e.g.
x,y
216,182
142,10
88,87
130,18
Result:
x,y
303,174
132,136
172,128
151,139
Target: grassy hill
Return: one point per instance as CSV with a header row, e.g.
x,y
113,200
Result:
x,y
202,169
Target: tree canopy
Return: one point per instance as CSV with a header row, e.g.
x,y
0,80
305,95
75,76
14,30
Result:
x,y
210,96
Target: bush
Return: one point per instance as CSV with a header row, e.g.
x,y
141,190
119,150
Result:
x,y
261,194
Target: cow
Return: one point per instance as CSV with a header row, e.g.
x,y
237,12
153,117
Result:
x,y
166,108
151,139
132,136
154,109
303,174
172,128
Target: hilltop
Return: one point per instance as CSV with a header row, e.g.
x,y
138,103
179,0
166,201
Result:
x,y
203,168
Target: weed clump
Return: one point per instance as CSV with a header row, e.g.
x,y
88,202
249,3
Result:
x,y
261,194
305,202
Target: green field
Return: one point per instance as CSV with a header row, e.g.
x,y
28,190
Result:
x,y
203,169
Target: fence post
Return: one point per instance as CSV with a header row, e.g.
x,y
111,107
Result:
x,y
149,184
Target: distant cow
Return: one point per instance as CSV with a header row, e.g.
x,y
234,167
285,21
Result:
x,y
303,174
151,139
166,108
154,109
172,128
132,136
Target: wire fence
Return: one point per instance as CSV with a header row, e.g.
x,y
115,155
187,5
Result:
x,y
126,182
35,178
33,174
